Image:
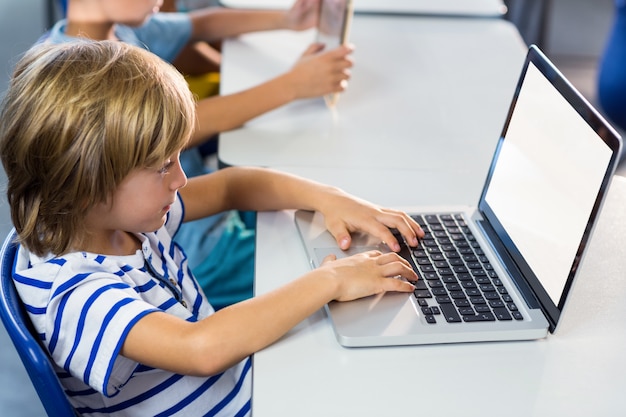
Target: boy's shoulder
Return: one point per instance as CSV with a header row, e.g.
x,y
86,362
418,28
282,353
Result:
x,y
50,272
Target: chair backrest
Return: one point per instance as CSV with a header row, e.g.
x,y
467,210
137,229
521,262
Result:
x,y
21,332
63,5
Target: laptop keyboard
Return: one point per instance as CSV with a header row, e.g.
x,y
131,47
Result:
x,y
457,283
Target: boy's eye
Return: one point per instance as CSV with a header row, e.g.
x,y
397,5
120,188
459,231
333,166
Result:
x,y
165,168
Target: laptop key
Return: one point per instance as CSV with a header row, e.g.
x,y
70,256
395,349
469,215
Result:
x,y
456,295
443,299
450,313
439,291
462,302
435,283
480,317
468,284
502,313
465,277
449,279
482,280
492,295
420,285
422,294
423,260
454,262
438,257
477,300
431,218
467,311
430,319
419,220
482,308
430,275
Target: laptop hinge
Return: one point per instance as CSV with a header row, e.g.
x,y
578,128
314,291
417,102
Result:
x,y
508,263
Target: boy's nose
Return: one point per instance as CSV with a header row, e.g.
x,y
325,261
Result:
x,y
180,179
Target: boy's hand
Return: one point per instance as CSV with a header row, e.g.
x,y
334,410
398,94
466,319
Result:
x,y
303,15
319,73
368,273
346,214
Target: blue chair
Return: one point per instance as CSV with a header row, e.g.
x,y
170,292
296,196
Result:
x,y
54,10
22,333
63,4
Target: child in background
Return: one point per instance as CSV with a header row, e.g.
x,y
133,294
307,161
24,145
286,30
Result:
x,y
96,193
187,5
201,58
137,22
166,34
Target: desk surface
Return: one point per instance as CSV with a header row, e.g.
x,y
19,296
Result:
x,y
487,8
578,371
420,87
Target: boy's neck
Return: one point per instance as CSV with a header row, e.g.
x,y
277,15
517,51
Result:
x,y
116,243
92,30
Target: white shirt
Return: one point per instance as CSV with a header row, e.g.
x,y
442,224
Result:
x,y
83,305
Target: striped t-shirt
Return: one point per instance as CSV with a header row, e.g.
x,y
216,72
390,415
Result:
x,y
83,305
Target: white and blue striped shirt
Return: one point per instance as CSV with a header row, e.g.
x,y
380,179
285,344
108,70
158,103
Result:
x,y
83,305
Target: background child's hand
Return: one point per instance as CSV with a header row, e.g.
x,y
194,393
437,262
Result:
x,y
368,273
303,15
318,72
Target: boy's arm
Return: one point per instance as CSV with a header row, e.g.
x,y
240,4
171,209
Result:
x,y
262,189
218,23
233,333
314,75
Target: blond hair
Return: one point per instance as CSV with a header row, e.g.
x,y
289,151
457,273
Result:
x,y
77,118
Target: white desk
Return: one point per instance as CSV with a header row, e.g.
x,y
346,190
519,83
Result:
x,y
477,8
579,371
437,89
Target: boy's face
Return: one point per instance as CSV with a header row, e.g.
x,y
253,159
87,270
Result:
x,y
130,12
141,202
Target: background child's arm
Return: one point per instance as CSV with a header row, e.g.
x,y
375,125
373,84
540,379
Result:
x,y
262,189
214,344
314,75
218,23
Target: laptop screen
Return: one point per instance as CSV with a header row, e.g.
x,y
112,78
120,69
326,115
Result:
x,y
550,168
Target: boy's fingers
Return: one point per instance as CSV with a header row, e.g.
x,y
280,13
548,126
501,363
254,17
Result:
x,y
329,258
392,284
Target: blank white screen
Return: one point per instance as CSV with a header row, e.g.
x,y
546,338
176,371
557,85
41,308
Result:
x,y
550,168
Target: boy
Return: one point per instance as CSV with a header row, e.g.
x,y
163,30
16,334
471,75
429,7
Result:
x,y
96,193
167,34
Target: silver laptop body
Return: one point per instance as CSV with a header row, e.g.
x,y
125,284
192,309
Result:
x,y
543,194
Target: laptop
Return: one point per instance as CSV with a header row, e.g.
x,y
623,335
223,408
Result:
x,y
501,270
333,27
